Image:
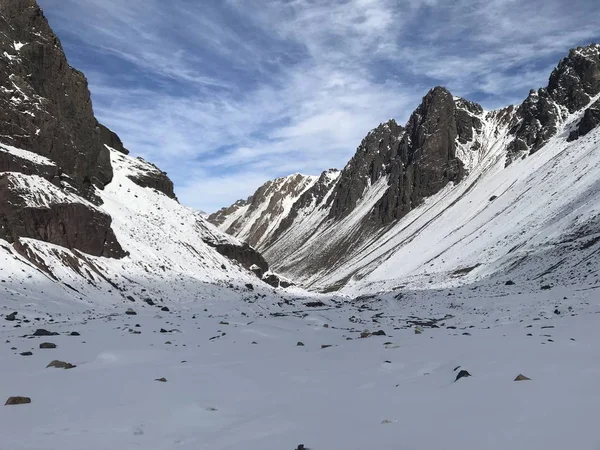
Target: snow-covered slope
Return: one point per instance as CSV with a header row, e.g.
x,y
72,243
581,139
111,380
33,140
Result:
x,y
237,379
256,220
535,219
170,249
457,195
76,213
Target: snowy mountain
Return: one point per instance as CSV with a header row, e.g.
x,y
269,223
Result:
x,y
77,214
469,239
457,195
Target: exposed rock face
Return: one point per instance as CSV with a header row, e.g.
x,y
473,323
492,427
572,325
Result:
x,y
311,199
425,160
111,139
48,130
244,254
218,218
69,224
572,84
589,121
45,104
155,179
576,78
370,162
17,401
10,162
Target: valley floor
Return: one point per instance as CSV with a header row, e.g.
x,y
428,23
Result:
x,y
236,378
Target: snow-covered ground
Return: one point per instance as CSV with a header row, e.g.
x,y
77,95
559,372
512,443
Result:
x,y
236,378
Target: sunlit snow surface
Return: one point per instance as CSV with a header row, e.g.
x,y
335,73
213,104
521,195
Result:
x,y
228,393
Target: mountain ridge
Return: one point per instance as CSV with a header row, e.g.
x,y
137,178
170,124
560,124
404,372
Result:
x,y
396,169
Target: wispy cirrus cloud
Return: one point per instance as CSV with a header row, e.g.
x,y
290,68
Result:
x,y
225,94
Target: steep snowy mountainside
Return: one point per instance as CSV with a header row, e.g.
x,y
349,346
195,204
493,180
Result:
x,y
170,253
450,150
534,221
255,220
75,208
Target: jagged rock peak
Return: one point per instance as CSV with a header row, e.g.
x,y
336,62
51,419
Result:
x,y
576,79
571,86
426,157
369,163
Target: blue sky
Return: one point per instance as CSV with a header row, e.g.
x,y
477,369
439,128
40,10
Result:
x,y
226,94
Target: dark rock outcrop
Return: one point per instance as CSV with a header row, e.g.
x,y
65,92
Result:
x,y
276,281
10,162
370,162
244,254
42,332
154,178
589,121
111,139
45,104
425,160
47,345
522,377
572,84
462,374
72,225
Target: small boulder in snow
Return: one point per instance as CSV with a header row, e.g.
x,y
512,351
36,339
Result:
x,y
462,374
60,365
17,401
42,332
47,345
522,377
130,312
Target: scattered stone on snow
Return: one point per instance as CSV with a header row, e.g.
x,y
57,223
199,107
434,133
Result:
x,y
522,377
47,345
17,401
42,332
60,365
462,374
